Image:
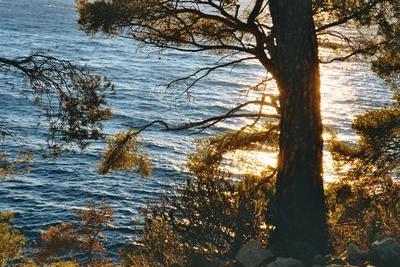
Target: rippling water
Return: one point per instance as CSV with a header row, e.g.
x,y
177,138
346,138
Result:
x,y
54,188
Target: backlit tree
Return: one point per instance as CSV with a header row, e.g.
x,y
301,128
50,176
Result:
x,y
285,37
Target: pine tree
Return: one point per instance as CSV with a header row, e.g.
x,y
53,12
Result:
x,y
284,36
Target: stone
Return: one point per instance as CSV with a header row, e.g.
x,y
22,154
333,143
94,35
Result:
x,y
286,262
355,255
319,260
385,253
252,254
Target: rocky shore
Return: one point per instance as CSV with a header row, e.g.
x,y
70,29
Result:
x,y
382,253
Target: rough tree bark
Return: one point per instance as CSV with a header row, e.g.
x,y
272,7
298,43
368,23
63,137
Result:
x,y
300,202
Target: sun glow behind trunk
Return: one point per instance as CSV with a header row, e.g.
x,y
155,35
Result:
x,y
345,87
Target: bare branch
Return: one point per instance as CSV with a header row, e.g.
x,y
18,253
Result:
x,y
212,120
207,71
359,51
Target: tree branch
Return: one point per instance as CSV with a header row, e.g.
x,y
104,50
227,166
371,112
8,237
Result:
x,y
207,71
212,120
347,18
80,96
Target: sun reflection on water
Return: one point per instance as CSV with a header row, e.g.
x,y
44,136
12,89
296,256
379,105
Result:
x,y
346,89
254,162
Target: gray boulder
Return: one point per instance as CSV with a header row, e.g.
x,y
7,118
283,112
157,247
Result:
x,y
321,260
286,262
385,253
252,254
355,255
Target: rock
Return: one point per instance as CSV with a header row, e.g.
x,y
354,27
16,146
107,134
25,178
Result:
x,y
355,256
286,262
385,253
320,260
252,254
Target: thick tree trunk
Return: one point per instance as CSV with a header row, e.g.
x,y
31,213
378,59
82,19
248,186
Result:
x,y
300,202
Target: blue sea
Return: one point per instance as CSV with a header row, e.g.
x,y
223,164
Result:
x,y
55,188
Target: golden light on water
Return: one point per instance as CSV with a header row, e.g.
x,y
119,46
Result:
x,y
348,89
242,162
254,162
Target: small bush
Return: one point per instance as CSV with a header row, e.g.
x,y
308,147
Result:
x,y
363,211
210,218
11,240
85,236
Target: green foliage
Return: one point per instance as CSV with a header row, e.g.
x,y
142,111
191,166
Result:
x,y
11,240
213,215
105,15
73,98
377,152
80,113
225,26
387,63
123,152
154,21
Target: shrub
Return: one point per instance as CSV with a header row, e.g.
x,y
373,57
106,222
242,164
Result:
x,y
209,218
363,210
11,240
85,236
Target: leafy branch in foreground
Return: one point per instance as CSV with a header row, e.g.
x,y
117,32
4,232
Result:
x,y
123,151
377,151
73,98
